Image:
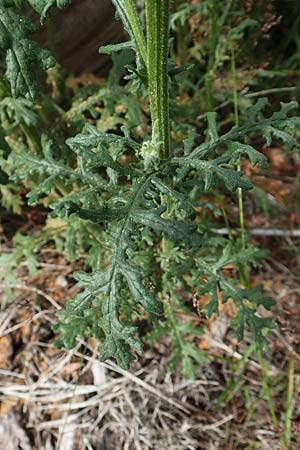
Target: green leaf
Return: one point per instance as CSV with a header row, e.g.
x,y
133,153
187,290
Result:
x,y
22,54
246,314
100,215
91,137
43,6
212,171
279,121
135,278
219,285
212,130
234,142
112,48
18,110
211,287
254,110
177,231
104,295
105,292
49,170
236,149
181,201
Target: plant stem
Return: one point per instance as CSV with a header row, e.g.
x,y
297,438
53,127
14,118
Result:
x,y
136,28
213,40
267,390
33,138
237,378
245,270
158,47
128,13
182,35
289,405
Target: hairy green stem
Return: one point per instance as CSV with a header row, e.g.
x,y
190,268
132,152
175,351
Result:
x,y
136,28
128,13
158,47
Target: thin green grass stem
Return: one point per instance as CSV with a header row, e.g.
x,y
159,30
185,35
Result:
x,y
267,390
289,405
244,274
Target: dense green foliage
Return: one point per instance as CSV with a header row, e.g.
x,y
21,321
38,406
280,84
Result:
x,y
129,190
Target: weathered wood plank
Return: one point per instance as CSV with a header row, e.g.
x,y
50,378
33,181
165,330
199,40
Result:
x,y
76,33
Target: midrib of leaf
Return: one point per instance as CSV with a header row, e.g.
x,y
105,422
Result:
x,y
111,306
123,228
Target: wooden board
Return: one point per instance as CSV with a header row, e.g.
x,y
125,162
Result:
x,y
75,33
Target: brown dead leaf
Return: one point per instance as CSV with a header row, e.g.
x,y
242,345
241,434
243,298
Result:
x,y
278,159
5,351
276,187
203,301
70,369
7,406
84,80
227,308
204,343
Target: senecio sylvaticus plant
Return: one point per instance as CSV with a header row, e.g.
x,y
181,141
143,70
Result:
x,y
141,192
